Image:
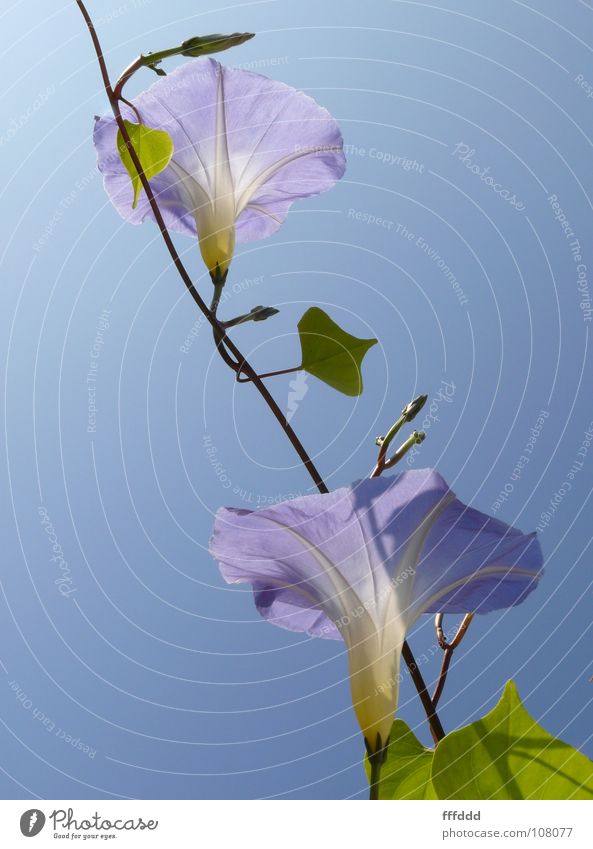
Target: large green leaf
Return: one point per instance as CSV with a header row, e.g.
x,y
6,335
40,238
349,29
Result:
x,y
154,149
406,771
507,755
330,353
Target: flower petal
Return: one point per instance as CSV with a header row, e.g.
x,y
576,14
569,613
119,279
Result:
x,y
282,146
474,563
306,174
284,549
284,607
363,531
167,187
250,144
309,565
363,562
187,104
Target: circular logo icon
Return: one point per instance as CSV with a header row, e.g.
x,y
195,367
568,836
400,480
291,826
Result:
x,y
32,822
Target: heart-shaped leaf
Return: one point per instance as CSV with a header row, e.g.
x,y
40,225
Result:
x,y
154,149
331,354
507,755
406,771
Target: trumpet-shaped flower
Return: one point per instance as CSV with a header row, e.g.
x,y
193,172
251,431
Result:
x,y
362,563
245,148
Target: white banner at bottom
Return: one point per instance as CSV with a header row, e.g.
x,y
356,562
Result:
x,y
294,824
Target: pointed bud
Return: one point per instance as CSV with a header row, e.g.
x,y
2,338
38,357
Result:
x,y
261,313
414,407
201,45
256,314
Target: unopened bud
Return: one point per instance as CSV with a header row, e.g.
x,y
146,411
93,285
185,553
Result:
x,y
261,313
256,314
201,45
414,407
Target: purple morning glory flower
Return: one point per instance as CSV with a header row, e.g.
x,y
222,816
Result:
x,y
245,148
362,563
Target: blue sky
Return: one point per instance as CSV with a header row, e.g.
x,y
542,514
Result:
x,y
141,674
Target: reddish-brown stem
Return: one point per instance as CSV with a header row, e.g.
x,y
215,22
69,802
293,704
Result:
x,y
434,723
224,345
448,648
126,75
440,686
462,630
409,413
270,374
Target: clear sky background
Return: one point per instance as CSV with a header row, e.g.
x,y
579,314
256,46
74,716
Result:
x,y
150,677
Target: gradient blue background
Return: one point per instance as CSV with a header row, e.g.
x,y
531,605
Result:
x,y
164,671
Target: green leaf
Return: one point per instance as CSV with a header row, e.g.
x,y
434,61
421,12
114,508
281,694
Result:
x,y
406,771
154,149
507,755
331,354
